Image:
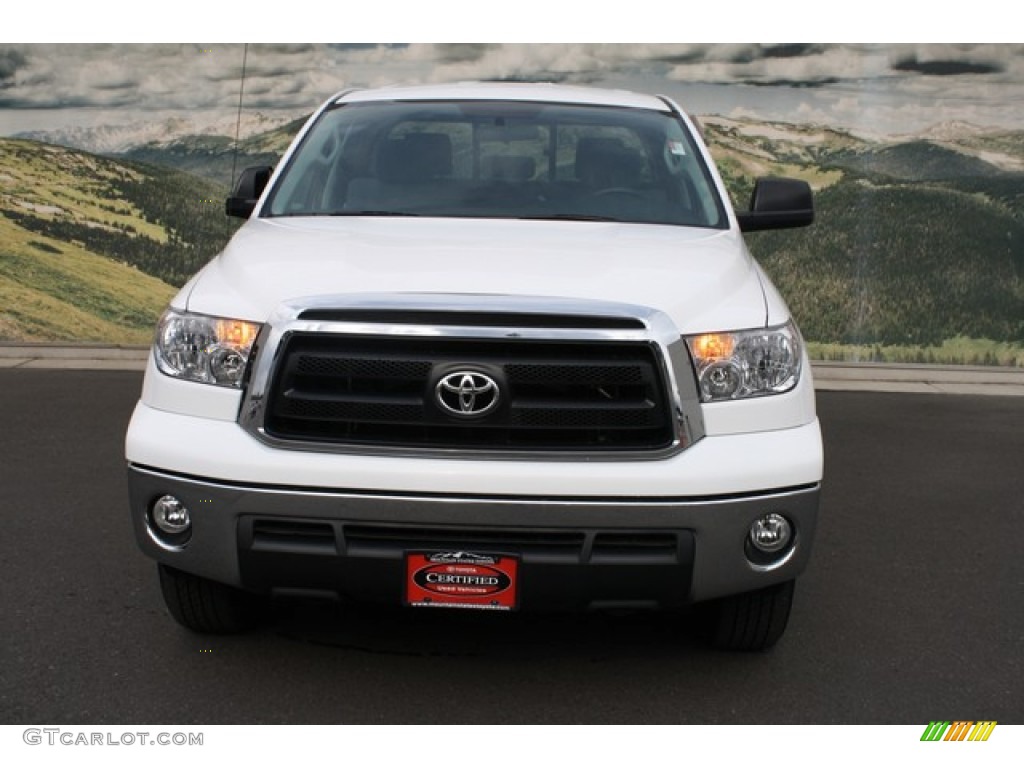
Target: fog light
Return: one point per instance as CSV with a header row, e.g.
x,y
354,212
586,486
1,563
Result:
x,y
171,516
771,533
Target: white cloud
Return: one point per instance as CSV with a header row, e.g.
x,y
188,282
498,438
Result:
x,y
889,86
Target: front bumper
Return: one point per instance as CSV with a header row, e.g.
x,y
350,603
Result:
x,y
575,553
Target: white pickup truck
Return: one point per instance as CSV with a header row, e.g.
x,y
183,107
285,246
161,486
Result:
x,y
489,347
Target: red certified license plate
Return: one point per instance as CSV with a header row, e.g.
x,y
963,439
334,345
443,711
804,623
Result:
x,y
461,580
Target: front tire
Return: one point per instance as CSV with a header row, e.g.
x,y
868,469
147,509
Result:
x,y
205,606
752,621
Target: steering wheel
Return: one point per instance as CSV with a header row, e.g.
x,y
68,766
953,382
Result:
x,y
607,192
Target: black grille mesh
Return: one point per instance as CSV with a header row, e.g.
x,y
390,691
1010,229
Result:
x,y
555,396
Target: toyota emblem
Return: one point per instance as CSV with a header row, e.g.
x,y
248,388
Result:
x,y
467,393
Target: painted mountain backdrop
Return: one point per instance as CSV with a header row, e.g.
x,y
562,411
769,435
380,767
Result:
x,y
91,248
917,253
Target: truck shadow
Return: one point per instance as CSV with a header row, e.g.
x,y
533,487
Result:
x,y
453,633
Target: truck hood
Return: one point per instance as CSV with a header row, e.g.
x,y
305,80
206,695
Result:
x,y
703,279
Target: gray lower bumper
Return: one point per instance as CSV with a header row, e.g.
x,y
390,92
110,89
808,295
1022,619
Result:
x,y
574,552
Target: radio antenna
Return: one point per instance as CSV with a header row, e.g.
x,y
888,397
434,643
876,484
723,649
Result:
x,y
238,121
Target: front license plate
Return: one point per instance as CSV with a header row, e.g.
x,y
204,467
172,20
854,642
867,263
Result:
x,y
461,580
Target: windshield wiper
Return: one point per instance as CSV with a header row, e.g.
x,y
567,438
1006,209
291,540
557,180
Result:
x,y
372,213
568,217
302,214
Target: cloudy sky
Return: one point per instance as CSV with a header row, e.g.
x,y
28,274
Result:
x,y
875,89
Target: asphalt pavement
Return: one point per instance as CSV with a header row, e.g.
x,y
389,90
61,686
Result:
x,y
911,610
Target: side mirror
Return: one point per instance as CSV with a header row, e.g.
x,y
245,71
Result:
x,y
778,204
247,192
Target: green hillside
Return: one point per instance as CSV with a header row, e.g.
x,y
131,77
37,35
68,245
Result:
x,y
745,151
901,264
91,248
914,161
917,250
214,157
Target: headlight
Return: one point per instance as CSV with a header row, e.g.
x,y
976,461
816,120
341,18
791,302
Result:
x,y
211,350
741,364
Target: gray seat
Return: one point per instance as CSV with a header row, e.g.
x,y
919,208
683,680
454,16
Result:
x,y
603,163
407,173
416,157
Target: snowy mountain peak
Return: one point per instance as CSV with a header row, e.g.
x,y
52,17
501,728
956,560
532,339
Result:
x,y
115,139
951,130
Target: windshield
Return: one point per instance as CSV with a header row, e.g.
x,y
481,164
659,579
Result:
x,y
499,160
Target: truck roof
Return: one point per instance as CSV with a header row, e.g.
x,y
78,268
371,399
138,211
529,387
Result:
x,y
547,92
